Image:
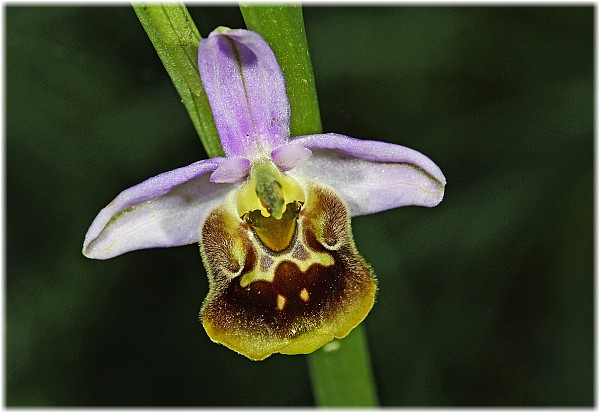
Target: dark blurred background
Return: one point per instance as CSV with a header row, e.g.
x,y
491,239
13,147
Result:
x,y
484,300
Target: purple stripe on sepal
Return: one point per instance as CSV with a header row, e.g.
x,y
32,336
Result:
x,y
163,211
246,90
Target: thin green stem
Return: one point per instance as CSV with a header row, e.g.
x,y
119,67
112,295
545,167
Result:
x,y
341,370
175,38
282,26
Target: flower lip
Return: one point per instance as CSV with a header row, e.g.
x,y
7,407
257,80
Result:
x,y
292,301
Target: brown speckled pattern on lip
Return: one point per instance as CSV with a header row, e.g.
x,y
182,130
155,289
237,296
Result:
x,y
324,292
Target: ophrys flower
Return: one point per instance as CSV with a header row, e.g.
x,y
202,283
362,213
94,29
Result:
x,y
272,217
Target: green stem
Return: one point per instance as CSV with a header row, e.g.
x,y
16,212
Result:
x,y
341,370
175,38
282,26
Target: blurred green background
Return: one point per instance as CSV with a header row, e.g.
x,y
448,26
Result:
x,y
484,300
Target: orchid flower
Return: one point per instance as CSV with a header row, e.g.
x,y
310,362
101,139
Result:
x,y
272,217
